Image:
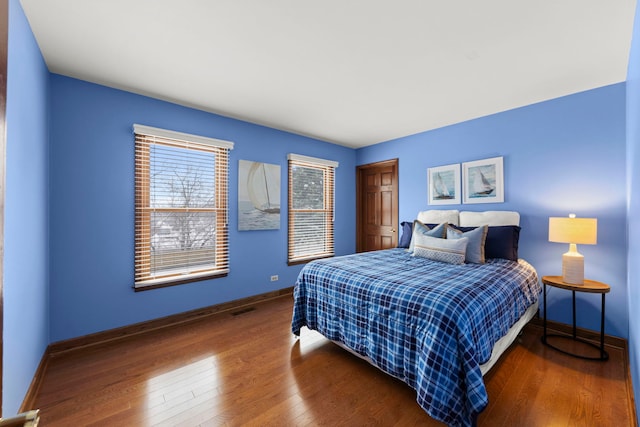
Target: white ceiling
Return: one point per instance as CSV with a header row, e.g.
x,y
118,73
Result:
x,y
352,72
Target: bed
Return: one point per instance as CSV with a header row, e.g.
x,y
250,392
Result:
x,y
437,326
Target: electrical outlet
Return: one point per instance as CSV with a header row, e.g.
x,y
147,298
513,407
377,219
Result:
x,y
274,277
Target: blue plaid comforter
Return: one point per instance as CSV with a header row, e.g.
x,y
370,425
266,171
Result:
x,y
428,323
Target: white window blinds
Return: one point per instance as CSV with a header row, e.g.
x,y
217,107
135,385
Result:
x,y
311,208
181,207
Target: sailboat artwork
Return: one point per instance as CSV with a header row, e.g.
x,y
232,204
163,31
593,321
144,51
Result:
x,y
483,181
444,184
482,187
258,187
258,196
440,189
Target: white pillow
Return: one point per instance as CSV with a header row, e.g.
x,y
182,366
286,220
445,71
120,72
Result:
x,y
490,218
437,216
450,251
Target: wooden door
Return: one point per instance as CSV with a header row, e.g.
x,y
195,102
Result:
x,y
377,206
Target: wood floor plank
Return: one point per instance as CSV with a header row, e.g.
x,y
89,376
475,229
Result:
x,y
248,369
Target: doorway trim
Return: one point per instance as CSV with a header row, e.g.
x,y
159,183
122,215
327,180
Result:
x,y
360,223
4,51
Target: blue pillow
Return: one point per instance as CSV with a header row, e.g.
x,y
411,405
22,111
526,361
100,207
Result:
x,y
407,231
501,241
424,229
443,250
475,247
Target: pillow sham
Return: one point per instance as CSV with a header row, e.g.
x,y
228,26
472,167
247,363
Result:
x,y
475,248
443,250
501,241
405,237
432,230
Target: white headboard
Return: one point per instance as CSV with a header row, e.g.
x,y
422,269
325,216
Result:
x,y
491,218
436,216
468,218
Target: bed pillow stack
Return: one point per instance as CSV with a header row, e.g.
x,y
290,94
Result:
x,y
483,243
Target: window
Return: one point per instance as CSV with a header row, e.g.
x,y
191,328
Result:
x,y
311,208
181,207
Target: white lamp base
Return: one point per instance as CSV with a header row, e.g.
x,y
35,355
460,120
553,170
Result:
x,y
573,266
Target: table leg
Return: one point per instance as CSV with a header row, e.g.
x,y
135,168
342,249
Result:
x,y
544,323
602,330
574,314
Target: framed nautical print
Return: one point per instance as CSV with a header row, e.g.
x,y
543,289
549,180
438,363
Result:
x,y
258,196
444,185
483,181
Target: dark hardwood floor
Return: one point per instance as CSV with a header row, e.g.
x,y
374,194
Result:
x,y
248,369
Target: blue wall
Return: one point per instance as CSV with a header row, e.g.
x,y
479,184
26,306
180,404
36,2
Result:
x,y
26,256
92,208
633,194
69,254
562,156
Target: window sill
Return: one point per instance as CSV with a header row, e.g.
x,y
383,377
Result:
x,y
177,281
306,260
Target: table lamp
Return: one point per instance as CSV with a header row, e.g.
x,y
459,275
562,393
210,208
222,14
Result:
x,y
573,230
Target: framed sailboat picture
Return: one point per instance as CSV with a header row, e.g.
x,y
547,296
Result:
x,y
258,196
483,181
444,185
